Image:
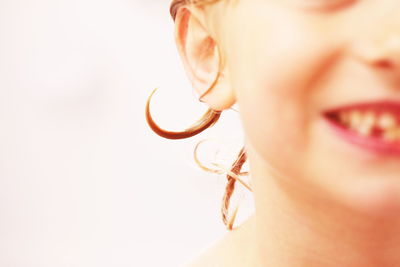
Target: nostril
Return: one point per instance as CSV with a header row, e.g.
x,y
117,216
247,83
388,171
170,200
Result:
x,y
382,54
384,64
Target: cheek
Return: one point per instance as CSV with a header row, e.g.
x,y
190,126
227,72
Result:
x,y
275,73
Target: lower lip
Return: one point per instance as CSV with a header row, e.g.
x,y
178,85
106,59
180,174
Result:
x,y
371,144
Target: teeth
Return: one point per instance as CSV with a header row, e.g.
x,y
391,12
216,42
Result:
x,y
364,130
369,119
386,121
361,123
364,123
355,118
392,134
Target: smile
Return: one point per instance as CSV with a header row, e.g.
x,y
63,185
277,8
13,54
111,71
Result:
x,y
374,126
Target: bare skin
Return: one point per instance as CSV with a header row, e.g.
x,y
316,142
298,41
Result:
x,y
308,234
320,200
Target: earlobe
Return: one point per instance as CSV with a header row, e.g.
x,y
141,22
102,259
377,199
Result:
x,y
202,59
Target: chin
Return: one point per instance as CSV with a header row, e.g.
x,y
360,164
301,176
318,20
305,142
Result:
x,y
376,197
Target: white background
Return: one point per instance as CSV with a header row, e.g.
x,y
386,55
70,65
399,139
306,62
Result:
x,y
83,181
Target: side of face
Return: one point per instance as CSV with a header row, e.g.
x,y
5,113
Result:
x,y
288,61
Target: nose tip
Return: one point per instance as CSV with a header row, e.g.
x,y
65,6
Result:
x,y
383,53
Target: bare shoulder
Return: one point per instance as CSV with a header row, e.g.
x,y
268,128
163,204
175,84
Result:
x,y
234,249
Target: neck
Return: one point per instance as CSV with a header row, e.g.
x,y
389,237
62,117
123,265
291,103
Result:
x,y
295,228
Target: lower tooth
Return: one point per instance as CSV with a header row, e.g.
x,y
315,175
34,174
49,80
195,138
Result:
x,y
369,119
365,130
391,135
386,121
355,119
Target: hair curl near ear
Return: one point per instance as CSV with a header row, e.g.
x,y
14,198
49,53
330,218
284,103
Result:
x,y
205,122
233,175
176,4
230,187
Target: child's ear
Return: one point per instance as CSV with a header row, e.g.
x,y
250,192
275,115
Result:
x,y
202,59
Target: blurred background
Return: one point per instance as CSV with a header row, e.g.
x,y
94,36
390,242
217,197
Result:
x,y
83,181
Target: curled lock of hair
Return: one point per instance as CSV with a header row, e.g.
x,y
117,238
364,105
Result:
x,y
205,122
230,187
210,117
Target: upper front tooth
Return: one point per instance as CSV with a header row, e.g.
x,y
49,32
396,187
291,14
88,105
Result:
x,y
386,121
366,124
355,118
369,119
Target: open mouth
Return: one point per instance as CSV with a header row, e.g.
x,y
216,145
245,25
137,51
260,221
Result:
x,y
374,126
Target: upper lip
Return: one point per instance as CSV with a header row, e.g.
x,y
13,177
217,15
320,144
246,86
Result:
x,y
379,106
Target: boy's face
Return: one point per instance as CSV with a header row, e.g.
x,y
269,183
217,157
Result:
x,y
291,61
